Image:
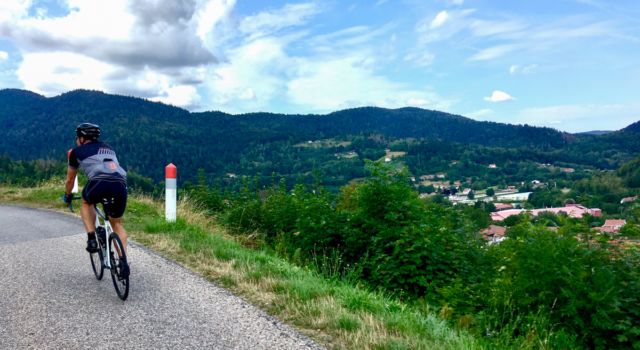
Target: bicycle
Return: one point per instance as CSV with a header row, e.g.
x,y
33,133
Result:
x,y
113,262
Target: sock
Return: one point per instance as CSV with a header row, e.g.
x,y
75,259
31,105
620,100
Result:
x,y
91,235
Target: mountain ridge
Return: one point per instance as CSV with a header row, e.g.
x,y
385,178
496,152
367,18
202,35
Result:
x,y
149,135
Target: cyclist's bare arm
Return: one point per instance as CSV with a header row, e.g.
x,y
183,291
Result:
x,y
71,178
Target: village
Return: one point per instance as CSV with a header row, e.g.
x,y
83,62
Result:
x,y
510,202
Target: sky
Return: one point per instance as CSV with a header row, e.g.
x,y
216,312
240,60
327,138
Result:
x,y
573,65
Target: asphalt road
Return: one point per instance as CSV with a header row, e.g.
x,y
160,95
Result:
x,y
49,298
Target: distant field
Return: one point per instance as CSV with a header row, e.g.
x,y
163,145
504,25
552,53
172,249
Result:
x,y
326,143
392,154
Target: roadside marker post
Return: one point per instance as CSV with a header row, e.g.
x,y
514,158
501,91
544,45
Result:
x,y
171,187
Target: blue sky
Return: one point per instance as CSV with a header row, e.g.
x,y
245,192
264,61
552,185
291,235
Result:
x,y
573,65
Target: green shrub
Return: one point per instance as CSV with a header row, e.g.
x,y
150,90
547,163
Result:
x,y
573,287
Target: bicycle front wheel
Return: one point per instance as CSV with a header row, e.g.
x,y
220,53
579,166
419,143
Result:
x,y
118,259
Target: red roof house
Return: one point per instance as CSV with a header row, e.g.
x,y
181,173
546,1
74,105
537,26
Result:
x,y
612,226
494,233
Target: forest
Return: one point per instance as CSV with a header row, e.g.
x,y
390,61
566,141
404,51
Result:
x,y
149,135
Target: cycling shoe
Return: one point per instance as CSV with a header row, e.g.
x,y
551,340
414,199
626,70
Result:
x,y
124,269
92,245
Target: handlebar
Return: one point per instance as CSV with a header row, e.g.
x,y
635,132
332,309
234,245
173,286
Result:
x,y
70,205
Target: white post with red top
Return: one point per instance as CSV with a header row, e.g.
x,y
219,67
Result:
x,y
171,188
75,182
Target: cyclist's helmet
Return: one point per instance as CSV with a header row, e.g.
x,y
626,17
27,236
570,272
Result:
x,y
88,131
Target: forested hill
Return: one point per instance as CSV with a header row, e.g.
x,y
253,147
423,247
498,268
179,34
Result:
x,y
148,135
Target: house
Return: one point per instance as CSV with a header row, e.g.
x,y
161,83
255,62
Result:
x,y
628,199
494,233
466,191
537,184
611,226
492,166
571,210
518,196
503,214
503,206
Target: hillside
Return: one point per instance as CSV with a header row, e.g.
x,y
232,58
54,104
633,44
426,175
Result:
x,y
148,135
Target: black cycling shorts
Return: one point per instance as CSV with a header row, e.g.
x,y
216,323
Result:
x,y
111,193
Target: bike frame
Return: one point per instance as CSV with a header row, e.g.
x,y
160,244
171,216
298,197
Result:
x,y
103,221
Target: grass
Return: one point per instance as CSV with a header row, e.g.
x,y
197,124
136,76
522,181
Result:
x,y
336,314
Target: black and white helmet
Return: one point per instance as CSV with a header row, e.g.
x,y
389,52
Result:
x,y
88,131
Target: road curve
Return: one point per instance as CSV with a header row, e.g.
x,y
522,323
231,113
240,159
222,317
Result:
x,y
49,298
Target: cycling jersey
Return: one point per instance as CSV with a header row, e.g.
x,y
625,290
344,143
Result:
x,y
98,161
107,180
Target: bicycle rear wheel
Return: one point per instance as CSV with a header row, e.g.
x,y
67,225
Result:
x,y
118,258
96,263
97,258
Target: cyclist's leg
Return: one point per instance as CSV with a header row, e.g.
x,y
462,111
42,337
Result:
x,y
116,224
88,216
115,208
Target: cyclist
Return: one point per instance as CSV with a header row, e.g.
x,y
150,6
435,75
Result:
x,y
107,184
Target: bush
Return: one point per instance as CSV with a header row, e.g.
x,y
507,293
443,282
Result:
x,y
578,288
536,288
403,244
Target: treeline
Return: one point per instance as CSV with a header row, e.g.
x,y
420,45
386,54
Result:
x,y
27,173
565,289
33,173
149,135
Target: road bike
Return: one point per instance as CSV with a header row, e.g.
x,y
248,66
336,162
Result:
x,y
110,254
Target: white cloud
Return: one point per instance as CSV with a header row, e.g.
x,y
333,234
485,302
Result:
x,y
420,58
181,95
12,9
457,21
328,85
577,118
155,49
254,74
479,114
341,73
498,96
271,21
517,69
439,20
4,55
484,28
54,73
493,52
209,16
507,34
346,39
